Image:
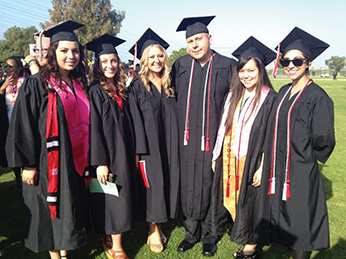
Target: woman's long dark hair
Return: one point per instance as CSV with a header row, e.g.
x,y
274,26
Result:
x,y
237,87
119,79
52,68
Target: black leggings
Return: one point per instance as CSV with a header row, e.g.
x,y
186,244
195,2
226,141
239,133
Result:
x,y
299,254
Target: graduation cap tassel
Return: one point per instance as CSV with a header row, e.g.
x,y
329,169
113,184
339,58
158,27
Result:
x,y
134,55
186,136
202,143
284,192
288,191
271,186
275,70
207,146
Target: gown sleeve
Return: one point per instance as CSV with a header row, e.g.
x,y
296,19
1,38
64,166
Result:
x,y
23,141
135,98
99,154
323,136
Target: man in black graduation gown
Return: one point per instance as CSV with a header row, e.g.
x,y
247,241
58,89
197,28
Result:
x,y
201,80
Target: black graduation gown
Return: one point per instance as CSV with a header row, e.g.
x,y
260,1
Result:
x,y
247,208
301,222
26,147
156,132
196,173
112,144
3,128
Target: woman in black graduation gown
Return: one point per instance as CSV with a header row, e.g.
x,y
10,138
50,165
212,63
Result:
x,y
153,109
111,144
238,153
301,132
48,137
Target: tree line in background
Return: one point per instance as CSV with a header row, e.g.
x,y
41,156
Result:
x,y
100,18
97,14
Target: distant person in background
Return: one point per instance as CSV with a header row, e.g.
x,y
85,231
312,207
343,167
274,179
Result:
x,y
49,137
334,75
9,92
3,123
34,63
131,75
293,210
153,109
1,73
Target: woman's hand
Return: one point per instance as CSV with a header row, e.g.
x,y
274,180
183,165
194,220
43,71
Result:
x,y
256,180
102,173
30,175
8,81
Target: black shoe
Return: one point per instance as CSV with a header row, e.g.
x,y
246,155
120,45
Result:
x,y
184,246
209,250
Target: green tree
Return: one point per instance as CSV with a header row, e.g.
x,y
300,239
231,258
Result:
x,y
97,15
336,63
176,54
16,42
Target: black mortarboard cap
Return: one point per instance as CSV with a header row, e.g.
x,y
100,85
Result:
x,y
195,25
148,38
63,31
254,48
104,44
303,41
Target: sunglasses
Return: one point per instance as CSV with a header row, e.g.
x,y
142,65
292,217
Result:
x,y
8,66
44,51
296,62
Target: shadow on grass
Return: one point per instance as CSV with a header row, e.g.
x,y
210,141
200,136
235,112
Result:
x,y
337,251
12,229
327,184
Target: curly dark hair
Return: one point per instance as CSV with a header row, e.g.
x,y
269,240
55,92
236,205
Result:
x,y
52,68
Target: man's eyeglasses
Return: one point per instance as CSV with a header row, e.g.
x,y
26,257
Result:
x,y
297,62
37,51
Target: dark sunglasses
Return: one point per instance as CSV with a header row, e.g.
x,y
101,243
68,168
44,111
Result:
x,y
296,62
10,66
44,51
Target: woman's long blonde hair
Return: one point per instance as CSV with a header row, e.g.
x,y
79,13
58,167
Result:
x,y
119,79
165,72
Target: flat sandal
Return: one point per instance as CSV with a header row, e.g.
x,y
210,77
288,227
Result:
x,y
117,254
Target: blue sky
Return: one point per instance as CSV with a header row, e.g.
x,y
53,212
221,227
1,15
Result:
x,y
267,20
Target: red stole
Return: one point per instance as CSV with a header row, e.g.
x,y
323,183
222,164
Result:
x,y
77,112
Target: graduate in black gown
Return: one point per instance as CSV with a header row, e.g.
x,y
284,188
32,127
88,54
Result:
x,y
153,108
201,80
111,144
49,138
301,133
238,153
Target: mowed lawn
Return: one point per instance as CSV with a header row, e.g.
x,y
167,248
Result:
x,y
11,218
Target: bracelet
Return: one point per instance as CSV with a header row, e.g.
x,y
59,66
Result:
x,y
33,61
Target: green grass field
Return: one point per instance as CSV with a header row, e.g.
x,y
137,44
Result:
x,y
11,235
